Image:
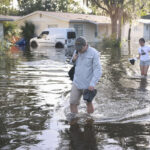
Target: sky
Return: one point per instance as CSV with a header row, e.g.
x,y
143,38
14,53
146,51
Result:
x,y
15,3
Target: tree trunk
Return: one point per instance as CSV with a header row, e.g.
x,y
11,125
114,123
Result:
x,y
120,24
129,38
114,26
129,33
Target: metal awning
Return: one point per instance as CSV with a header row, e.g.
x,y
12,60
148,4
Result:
x,y
88,21
4,19
145,21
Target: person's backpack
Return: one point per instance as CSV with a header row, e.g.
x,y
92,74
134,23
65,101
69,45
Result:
x,y
71,73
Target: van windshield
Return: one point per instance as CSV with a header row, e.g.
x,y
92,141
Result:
x,y
71,35
43,34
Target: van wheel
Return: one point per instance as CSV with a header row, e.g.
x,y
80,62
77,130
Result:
x,y
34,44
59,45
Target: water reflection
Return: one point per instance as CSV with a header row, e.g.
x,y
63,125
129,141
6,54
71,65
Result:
x,y
34,93
143,84
83,138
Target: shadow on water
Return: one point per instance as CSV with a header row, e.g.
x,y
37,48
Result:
x,y
34,94
107,136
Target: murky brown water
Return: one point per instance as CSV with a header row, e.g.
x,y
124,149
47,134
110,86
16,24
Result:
x,y
34,94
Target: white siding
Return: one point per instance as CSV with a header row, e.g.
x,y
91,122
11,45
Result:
x,y
104,31
89,31
42,22
137,31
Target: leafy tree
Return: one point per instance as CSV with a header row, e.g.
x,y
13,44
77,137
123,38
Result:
x,y
28,31
28,6
74,7
5,6
119,10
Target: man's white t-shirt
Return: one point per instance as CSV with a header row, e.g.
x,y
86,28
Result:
x,y
144,52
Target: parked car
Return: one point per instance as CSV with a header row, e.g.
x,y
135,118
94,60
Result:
x,y
58,37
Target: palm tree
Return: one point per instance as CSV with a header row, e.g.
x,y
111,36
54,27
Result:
x,y
28,31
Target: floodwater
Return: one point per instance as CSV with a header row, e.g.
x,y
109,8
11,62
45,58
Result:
x,y
34,100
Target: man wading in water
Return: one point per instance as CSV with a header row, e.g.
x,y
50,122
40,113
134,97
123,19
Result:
x,y
87,74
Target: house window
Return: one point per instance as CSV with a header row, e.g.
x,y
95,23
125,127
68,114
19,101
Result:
x,y
1,31
71,35
147,27
52,26
96,34
79,29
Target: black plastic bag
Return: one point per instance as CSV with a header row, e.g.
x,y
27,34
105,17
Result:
x,y
89,95
132,61
71,73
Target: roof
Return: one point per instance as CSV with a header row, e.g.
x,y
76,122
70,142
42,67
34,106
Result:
x,y
146,17
71,17
145,21
8,18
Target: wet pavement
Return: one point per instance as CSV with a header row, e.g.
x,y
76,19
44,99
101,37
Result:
x,y
34,99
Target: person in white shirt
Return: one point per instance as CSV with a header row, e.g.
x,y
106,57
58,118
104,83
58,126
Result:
x,y
144,57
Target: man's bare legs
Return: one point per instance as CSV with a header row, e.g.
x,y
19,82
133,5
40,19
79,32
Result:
x,y
90,108
74,108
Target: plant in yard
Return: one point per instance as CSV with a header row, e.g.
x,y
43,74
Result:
x,y
4,47
10,30
28,31
111,42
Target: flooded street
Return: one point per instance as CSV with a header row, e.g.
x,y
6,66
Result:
x,y
34,100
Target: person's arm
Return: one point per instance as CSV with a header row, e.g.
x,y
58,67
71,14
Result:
x,y
97,71
74,57
148,48
138,57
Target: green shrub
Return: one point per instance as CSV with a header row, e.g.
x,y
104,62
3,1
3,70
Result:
x,y
28,31
110,42
10,29
4,46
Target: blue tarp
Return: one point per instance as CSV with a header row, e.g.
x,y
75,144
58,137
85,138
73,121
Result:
x,y
21,42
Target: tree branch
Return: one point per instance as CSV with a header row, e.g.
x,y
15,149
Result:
x,y
100,6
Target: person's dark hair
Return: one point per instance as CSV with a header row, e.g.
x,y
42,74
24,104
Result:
x,y
142,40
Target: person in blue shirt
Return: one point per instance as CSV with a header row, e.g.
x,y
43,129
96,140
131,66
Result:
x,y
87,73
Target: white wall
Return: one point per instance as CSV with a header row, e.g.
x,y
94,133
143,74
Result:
x,y
137,31
104,30
89,30
42,22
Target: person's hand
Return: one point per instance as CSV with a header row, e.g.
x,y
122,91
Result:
x,y
91,88
75,57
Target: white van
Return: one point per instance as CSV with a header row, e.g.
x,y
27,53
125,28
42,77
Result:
x,y
58,37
